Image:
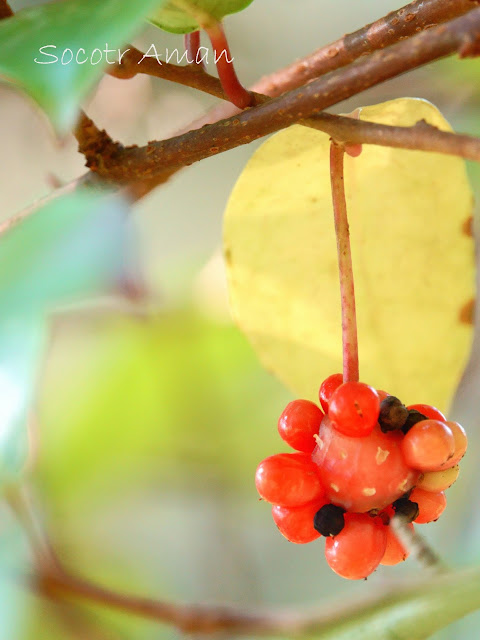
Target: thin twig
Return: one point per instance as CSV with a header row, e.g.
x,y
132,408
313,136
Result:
x,y
345,268
16,499
397,25
336,616
20,501
13,221
136,62
421,136
46,561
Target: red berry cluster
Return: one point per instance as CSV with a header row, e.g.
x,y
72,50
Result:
x,y
367,458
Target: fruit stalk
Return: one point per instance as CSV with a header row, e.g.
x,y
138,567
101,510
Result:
x,y
347,289
192,47
231,85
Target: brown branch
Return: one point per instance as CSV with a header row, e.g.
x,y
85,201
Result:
x,y
422,136
397,25
382,33
5,10
198,619
187,618
51,580
96,145
151,162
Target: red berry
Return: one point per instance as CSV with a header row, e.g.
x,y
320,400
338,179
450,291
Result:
x,y
431,505
357,550
296,523
354,408
361,474
428,444
288,479
395,551
327,387
428,411
436,481
382,394
461,443
299,422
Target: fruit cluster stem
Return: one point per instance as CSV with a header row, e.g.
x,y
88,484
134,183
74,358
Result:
x,y
347,289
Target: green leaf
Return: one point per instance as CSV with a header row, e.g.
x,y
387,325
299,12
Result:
x,y
177,20
130,378
73,24
21,344
412,260
75,246
412,613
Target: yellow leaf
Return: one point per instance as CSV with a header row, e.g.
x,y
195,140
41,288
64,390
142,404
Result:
x,y
412,260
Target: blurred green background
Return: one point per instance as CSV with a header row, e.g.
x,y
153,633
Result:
x,y
150,425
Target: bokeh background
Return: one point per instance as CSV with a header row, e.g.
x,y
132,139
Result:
x,y
150,425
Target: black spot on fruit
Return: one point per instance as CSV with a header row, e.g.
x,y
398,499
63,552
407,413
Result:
x,y
329,520
406,508
414,416
393,414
